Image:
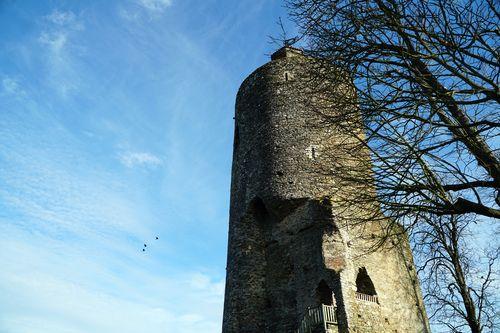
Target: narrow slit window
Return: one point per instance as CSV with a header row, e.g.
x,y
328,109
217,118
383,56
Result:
x,y
236,136
288,76
312,152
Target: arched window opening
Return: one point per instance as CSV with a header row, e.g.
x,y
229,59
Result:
x,y
364,284
324,294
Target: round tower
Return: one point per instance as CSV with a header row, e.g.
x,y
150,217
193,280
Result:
x,y
287,253
279,138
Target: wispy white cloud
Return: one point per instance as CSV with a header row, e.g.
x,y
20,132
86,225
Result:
x,y
70,258
52,297
65,19
12,86
56,39
73,221
144,9
139,159
61,25
155,6
61,18
45,180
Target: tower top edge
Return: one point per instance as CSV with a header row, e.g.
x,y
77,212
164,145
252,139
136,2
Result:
x,y
287,52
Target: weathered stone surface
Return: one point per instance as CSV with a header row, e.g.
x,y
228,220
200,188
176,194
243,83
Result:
x,y
285,235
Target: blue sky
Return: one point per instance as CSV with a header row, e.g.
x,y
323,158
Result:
x,y
116,127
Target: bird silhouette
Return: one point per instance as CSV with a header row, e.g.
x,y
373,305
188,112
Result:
x,y
143,250
157,237
145,245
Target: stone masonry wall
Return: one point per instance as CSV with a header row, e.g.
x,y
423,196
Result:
x,y
285,233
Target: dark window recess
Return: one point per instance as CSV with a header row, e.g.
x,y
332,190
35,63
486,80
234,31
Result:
x,y
259,210
324,294
364,284
269,305
286,76
236,136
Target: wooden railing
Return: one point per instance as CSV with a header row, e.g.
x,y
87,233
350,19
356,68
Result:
x,y
368,298
323,315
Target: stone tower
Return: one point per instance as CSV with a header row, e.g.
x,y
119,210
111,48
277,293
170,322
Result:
x,y
294,263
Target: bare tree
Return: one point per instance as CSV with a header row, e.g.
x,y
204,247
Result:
x,y
458,277
425,79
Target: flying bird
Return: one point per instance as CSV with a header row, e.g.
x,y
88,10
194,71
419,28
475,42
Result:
x,y
156,237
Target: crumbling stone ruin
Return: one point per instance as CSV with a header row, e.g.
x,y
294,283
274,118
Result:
x,y
296,262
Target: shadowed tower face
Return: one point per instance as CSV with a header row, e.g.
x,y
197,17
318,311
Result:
x,y
294,263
